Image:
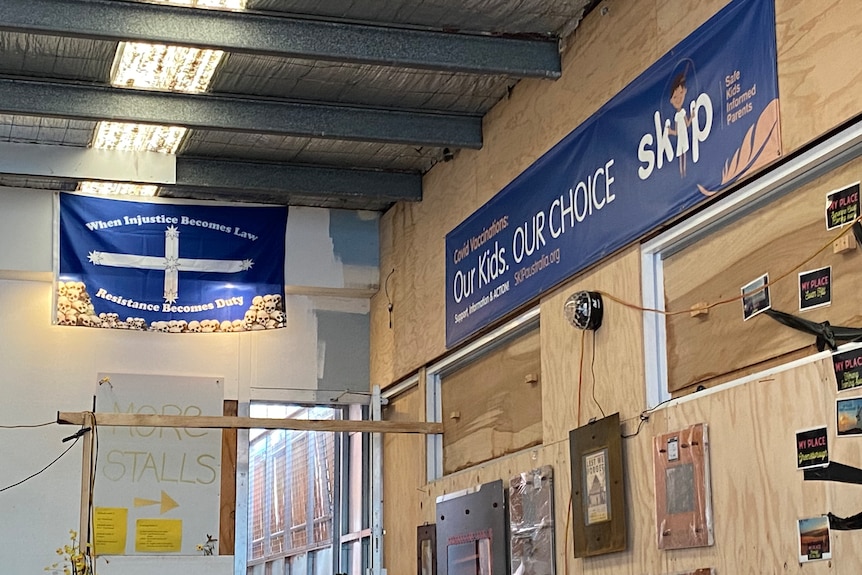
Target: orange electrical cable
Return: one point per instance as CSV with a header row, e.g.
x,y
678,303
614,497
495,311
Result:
x,y
581,375
737,297
566,537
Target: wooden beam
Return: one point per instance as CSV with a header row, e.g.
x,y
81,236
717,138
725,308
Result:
x,y
86,481
227,500
226,422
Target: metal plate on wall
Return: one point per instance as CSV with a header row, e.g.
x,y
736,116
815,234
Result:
x,y
531,522
472,531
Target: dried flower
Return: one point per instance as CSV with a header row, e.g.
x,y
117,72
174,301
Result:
x,y
208,546
75,560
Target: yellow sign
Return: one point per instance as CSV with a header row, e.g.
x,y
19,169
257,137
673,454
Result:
x,y
158,535
109,530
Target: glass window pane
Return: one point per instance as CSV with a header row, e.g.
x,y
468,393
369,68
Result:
x,y
291,483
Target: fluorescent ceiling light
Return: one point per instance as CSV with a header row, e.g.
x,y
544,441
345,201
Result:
x,y
229,4
138,137
174,68
159,67
117,189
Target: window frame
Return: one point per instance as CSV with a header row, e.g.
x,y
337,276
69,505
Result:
x,y
287,441
785,177
350,473
435,373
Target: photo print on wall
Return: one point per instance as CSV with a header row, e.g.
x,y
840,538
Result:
x,y
755,297
814,539
849,416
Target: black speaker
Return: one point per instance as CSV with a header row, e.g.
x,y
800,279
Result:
x,y
584,310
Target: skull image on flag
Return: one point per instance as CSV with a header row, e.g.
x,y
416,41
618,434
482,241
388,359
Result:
x,y
169,267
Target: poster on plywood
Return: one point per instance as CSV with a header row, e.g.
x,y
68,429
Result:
x,y
812,448
815,288
755,297
598,490
848,369
842,206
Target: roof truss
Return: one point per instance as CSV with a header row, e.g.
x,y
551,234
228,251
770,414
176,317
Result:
x,y
238,114
291,37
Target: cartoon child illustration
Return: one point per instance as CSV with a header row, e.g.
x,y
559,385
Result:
x,y
681,119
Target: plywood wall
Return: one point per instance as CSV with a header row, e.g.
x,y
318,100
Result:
x,y
818,81
818,91
611,377
781,239
404,478
757,493
493,406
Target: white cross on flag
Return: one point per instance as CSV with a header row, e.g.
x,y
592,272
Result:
x,y
173,267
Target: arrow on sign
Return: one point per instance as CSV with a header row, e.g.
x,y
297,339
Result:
x,y
166,503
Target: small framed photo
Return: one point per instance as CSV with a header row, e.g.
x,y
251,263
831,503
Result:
x,y
755,297
598,489
849,416
426,549
814,539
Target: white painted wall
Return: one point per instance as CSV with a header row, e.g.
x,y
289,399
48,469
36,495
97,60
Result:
x,y
26,231
313,259
46,368
158,565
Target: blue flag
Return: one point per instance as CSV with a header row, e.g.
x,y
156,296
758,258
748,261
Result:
x,y
171,267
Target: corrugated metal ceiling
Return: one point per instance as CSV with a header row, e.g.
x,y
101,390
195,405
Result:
x,y
37,43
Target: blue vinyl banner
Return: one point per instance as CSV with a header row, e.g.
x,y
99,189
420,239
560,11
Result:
x,y
699,120
170,267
